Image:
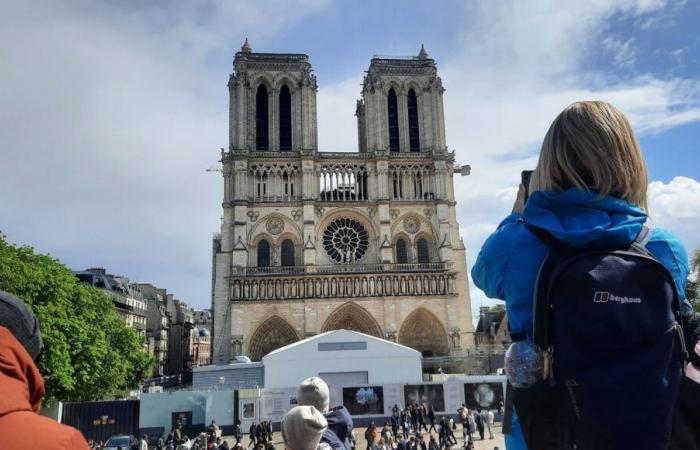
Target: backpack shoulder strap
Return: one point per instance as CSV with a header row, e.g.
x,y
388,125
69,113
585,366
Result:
x,y
639,245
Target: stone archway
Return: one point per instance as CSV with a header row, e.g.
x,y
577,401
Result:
x,y
352,316
270,335
423,331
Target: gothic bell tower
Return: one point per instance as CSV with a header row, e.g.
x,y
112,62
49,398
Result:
x,y
401,108
272,102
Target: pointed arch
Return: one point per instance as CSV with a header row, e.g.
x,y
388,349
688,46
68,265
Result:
x,y
351,316
285,118
393,119
413,132
261,118
423,331
270,335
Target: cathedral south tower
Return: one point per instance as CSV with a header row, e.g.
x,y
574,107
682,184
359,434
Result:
x,y
314,241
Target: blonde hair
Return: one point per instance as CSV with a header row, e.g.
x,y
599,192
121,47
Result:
x,y
591,146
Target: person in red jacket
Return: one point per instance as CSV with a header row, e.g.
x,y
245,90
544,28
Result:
x,y
22,387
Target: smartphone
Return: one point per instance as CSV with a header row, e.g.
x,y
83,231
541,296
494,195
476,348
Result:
x,y
525,181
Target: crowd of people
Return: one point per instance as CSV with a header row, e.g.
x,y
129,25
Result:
x,y
408,429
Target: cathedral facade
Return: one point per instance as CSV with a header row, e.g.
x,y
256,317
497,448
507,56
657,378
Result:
x,y
314,241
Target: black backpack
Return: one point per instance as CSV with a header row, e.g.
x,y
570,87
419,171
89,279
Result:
x,y
608,322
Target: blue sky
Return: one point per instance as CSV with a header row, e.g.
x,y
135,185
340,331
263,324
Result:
x,y
110,112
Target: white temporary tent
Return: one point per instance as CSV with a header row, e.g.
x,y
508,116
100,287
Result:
x,y
342,358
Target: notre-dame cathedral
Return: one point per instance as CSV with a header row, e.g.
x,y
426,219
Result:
x,y
313,241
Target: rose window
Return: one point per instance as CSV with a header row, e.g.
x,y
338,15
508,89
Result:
x,y
345,240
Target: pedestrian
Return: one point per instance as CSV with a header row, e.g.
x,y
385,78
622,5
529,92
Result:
x,y
432,444
251,434
314,391
22,386
420,442
143,443
160,444
395,423
431,419
479,420
259,432
302,428
238,432
405,419
489,422
471,424
421,417
462,414
589,192
369,435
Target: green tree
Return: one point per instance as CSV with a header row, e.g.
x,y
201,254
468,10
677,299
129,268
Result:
x,y
692,288
89,351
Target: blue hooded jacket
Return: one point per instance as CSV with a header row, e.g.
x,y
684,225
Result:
x,y
339,428
507,265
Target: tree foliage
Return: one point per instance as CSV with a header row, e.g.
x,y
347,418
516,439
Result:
x,y
692,288
89,351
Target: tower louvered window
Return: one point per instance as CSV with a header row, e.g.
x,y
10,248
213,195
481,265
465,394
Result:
x,y
261,128
263,253
287,253
285,118
393,110
422,250
413,136
401,254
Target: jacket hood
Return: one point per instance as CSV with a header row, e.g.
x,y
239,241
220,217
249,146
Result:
x,y
583,219
340,424
21,384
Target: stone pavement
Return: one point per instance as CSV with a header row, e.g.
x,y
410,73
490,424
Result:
x,y
487,444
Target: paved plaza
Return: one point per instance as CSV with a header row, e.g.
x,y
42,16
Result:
x,y
487,444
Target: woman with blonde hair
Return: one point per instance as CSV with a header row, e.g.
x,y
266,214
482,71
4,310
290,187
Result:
x,y
588,193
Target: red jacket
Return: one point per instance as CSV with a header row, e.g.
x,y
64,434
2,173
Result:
x,y
21,391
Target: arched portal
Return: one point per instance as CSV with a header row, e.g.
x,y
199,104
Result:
x,y
423,331
352,316
270,335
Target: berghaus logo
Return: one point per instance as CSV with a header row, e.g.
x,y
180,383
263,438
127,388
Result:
x,y
605,297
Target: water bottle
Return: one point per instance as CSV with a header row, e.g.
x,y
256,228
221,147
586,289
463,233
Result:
x,y
524,362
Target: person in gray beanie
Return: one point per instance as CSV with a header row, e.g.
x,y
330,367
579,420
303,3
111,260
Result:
x,y
314,391
302,428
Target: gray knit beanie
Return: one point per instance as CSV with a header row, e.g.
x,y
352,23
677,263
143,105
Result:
x,y
314,391
303,427
16,316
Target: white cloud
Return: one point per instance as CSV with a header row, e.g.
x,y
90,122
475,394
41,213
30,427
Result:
x,y
624,52
108,119
676,206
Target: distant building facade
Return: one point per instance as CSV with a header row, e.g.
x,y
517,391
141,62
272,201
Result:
x,y
127,298
181,339
157,325
201,347
492,330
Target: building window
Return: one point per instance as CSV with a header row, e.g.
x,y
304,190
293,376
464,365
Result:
x,y
287,253
345,240
393,121
401,254
261,141
263,253
285,119
413,135
422,250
